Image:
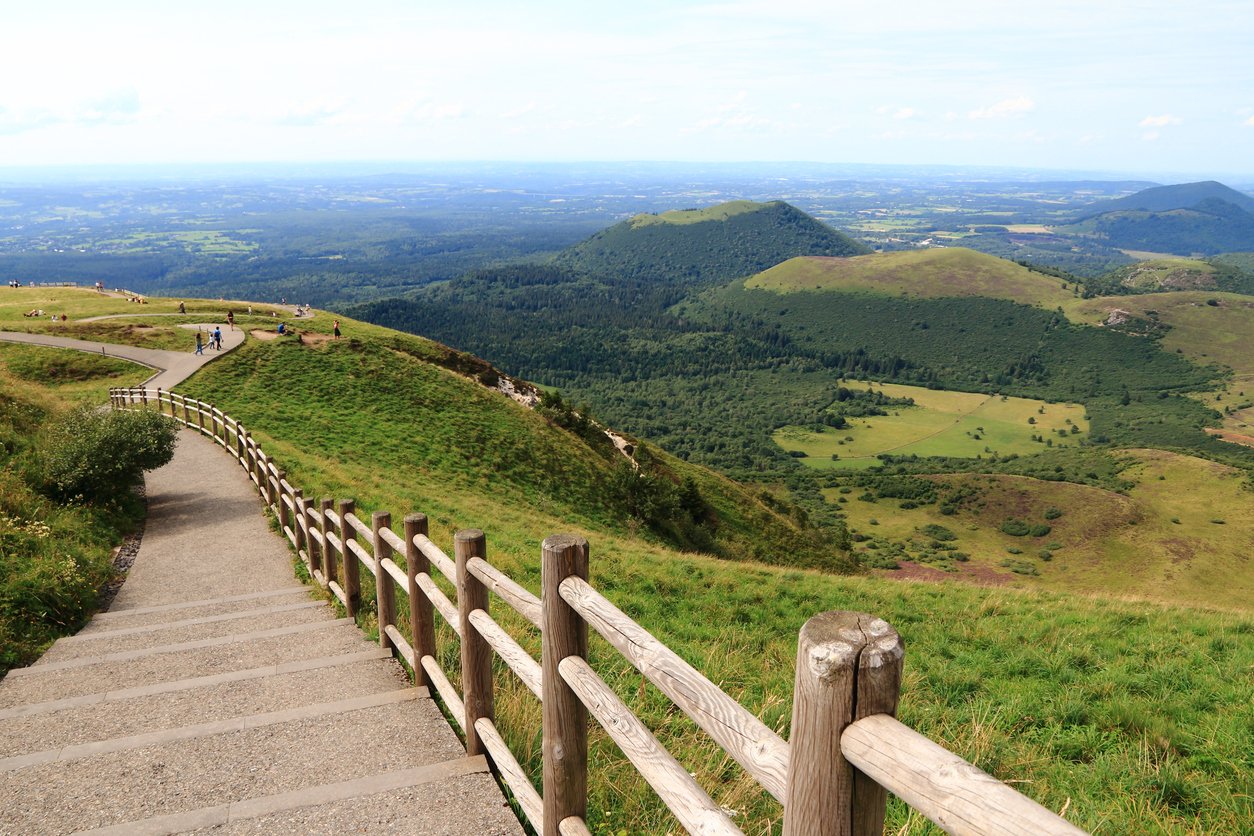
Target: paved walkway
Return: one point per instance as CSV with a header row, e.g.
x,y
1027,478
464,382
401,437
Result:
x,y
172,367
219,695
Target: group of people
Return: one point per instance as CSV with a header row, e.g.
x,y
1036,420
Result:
x,y
15,284
215,340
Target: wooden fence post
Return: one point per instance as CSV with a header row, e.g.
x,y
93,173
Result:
x,y
421,611
187,413
200,415
298,531
329,560
311,543
384,586
848,667
565,735
476,652
352,582
285,519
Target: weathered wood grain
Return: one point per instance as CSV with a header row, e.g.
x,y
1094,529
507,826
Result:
x,y
421,610
512,593
476,653
350,574
446,565
681,793
957,796
762,752
836,651
512,773
565,734
511,652
384,587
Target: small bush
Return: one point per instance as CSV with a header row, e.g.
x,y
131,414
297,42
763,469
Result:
x,y
1015,527
99,455
1052,513
939,532
1039,530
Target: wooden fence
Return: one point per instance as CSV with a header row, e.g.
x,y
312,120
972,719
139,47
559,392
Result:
x,y
846,752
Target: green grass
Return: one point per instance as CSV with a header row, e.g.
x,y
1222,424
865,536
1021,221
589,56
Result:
x,y
956,424
53,557
1153,541
926,274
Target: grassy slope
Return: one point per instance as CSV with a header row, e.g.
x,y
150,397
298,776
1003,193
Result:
x,y
1167,274
1221,333
1158,541
931,273
53,558
1125,708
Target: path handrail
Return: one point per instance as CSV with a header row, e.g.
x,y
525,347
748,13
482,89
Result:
x,y
846,750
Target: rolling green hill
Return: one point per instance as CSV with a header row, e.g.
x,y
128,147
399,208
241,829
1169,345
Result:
x,y
727,241
1208,227
929,273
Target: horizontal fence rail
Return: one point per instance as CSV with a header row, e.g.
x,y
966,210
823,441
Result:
x,y
846,750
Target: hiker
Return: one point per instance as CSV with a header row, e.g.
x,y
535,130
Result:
x,y
217,338
282,328
230,319
200,344
182,308
335,329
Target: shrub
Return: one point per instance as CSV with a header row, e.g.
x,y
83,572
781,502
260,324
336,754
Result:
x,y
1015,527
99,455
939,532
1052,513
1039,530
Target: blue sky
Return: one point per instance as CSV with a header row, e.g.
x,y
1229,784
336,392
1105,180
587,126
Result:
x,y
1145,87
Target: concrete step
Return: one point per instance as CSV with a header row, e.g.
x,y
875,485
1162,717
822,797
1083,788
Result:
x,y
198,700
181,776
185,630
161,737
77,677
454,798
160,613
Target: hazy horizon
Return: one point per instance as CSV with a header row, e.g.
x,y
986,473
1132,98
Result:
x,y
1155,89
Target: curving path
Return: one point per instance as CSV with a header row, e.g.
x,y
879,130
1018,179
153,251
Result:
x,y
172,367
218,695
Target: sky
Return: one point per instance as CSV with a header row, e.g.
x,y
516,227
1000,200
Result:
x,y
1139,86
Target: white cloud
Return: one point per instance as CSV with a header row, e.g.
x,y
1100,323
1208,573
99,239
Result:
x,y
1005,109
521,110
1160,121
1250,121
904,113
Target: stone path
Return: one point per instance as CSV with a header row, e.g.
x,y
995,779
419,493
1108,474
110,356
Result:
x,y
218,695
172,367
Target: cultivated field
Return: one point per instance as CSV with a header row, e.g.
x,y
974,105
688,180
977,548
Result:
x,y
960,424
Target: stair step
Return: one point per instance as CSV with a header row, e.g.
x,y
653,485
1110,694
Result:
x,y
162,737
127,655
187,622
448,774
206,699
171,634
159,669
51,706
127,612
181,776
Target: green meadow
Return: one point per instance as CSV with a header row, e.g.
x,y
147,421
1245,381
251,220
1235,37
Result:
x,y
941,423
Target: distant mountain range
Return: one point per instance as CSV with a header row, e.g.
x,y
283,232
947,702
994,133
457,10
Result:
x,y
1204,218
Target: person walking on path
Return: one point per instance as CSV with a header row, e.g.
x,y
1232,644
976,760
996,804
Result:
x,y
200,344
335,329
230,319
217,338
